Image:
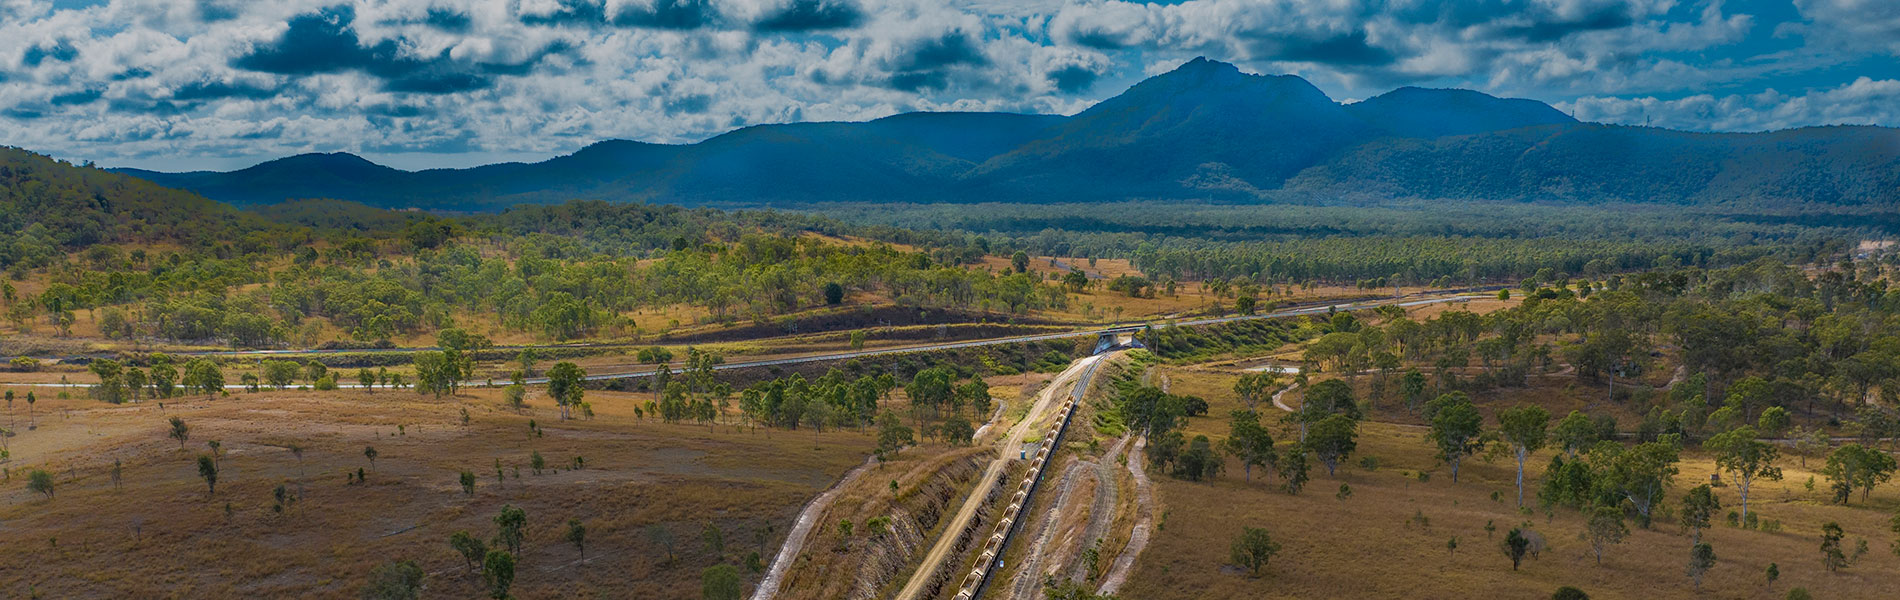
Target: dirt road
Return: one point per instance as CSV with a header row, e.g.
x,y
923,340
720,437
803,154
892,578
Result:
x,y
946,542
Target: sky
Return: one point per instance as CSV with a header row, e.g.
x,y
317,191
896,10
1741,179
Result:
x,y
222,84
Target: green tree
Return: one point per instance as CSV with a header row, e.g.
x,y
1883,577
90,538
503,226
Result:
x,y
179,431
1741,454
1250,442
1457,429
1701,559
40,482
1199,461
1605,528
721,582
1019,261
577,535
510,525
1698,509
468,482
1412,385
834,293
1294,467
1332,440
1640,474
1254,387
892,435
498,572
1855,466
366,378
471,548
1524,428
1774,421
399,580
1253,549
1515,545
564,385
204,376
208,469
279,373
1832,556
1575,433
1565,592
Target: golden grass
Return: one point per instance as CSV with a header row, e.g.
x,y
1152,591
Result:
x,y
82,543
1364,547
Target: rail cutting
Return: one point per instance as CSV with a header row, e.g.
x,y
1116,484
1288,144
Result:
x,y
988,560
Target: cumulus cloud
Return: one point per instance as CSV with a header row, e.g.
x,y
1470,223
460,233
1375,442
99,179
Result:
x,y
1865,101
166,82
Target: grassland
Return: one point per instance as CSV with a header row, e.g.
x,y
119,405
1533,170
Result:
x,y
1371,545
152,531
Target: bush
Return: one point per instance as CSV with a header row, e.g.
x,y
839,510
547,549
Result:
x,y
395,581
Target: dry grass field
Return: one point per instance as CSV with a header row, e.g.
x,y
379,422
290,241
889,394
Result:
x,y
158,534
1370,546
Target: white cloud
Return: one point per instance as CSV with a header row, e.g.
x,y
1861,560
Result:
x,y
134,81
1866,101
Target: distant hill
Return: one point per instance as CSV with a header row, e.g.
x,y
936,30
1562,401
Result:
x,y
49,206
1202,131
1420,112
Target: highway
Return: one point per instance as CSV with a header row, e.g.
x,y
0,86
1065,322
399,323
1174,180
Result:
x,y
838,356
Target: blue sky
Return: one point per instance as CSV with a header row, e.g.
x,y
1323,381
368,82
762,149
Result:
x,y
186,84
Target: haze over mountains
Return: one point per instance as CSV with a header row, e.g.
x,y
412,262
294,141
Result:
x,y
1202,131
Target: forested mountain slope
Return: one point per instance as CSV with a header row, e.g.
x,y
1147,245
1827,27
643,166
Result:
x,y
49,207
1202,131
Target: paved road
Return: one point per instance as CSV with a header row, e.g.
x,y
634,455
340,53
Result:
x,y
1135,326
835,356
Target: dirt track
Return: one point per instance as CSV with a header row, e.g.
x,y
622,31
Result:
x,y
946,543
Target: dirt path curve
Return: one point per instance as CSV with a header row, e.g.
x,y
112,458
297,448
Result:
x,y
1027,583
1117,575
946,542
1276,397
795,541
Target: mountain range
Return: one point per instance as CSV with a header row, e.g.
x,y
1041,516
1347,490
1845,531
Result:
x,y
1205,130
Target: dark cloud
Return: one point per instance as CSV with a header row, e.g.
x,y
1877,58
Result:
x,y
396,110
147,106
1072,79
62,52
927,65
668,14
447,20
952,49
323,43
213,90
1347,50
1545,29
212,11
919,80
326,42
664,14
571,12
78,97
688,103
813,15
443,82
1099,40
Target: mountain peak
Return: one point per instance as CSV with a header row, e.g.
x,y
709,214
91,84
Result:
x,y
1428,112
329,161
